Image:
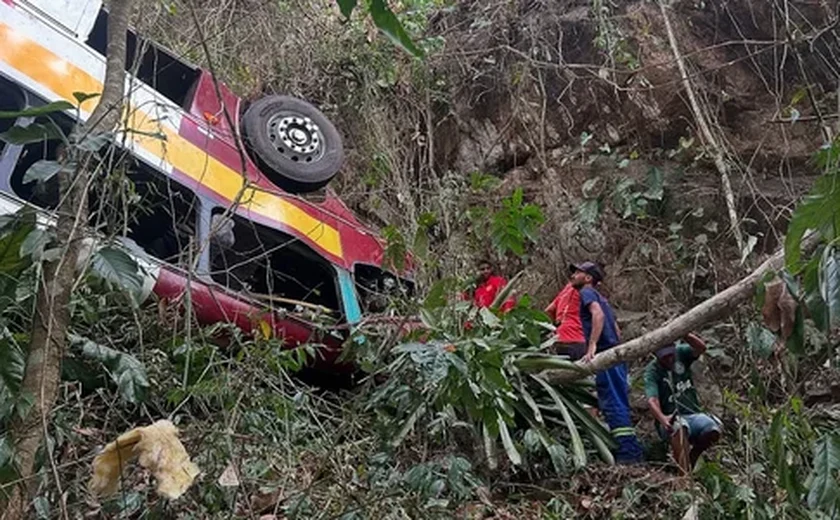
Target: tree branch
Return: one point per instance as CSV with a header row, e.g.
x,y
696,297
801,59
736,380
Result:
x,y
678,327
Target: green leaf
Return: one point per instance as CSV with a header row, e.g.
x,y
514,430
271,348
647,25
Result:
x,y
387,22
824,491
529,400
93,142
116,266
540,362
126,371
81,97
49,108
820,210
35,243
507,442
42,508
12,365
588,211
488,317
34,133
45,170
830,283
346,7
749,245
421,244
760,340
489,447
12,238
578,452
796,342
655,184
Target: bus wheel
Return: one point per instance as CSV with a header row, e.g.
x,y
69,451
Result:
x,y
294,144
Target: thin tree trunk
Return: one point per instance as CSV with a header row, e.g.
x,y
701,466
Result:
x,y
52,308
719,304
705,131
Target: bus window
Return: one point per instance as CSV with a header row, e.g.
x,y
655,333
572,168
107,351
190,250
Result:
x,y
378,288
10,101
158,68
272,266
43,194
150,208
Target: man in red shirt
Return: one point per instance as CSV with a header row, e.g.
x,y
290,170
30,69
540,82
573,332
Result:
x,y
488,287
565,309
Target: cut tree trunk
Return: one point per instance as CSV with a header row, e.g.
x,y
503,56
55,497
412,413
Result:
x,y
52,308
719,304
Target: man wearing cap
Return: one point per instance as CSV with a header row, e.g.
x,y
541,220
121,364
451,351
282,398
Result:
x,y
673,401
602,333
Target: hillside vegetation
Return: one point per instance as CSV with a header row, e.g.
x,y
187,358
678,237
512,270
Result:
x,y
533,133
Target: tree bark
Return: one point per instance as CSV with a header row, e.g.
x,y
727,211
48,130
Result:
x,y
678,327
705,131
52,308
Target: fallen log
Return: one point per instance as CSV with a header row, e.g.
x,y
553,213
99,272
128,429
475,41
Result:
x,y
678,327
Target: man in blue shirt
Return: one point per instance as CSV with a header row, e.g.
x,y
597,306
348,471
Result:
x,y
602,333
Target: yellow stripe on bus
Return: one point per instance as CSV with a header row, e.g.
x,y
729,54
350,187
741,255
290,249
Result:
x,y
64,78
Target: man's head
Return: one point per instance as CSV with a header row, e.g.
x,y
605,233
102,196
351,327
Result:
x,y
667,356
485,270
585,273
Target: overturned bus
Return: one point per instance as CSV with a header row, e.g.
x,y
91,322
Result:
x,y
220,180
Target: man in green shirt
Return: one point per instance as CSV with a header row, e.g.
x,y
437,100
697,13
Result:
x,y
673,401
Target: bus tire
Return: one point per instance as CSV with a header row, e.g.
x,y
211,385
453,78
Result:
x,y
293,143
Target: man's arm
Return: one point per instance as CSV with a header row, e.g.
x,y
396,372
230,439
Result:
x,y
656,410
698,346
597,327
551,306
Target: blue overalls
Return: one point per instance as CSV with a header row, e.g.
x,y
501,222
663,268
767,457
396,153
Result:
x,y
611,384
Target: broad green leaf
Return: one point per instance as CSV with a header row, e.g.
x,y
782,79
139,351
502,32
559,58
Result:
x,y
488,317
421,244
6,450
819,210
387,22
93,142
824,491
591,424
507,442
117,267
49,108
12,365
578,452
35,243
126,371
786,473
529,400
45,170
408,425
540,362
489,447
760,340
830,283
34,133
796,342
655,184
11,241
603,448
749,245
346,7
